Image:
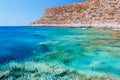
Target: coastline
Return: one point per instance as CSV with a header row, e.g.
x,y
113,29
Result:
x,y
100,25
98,14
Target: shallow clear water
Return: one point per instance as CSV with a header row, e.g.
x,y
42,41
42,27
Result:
x,y
89,52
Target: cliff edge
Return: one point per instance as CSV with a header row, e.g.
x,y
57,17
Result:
x,y
97,13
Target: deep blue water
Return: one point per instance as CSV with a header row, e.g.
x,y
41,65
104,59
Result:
x,y
17,43
77,48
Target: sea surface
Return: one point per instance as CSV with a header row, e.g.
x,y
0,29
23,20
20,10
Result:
x,y
45,53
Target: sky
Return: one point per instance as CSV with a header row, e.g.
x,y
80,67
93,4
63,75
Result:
x,y
23,12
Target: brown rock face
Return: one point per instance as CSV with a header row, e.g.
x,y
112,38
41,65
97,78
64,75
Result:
x,y
89,11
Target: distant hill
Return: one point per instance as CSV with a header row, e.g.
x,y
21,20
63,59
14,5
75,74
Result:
x,y
86,12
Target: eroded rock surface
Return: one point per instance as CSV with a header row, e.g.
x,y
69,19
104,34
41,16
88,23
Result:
x,y
91,11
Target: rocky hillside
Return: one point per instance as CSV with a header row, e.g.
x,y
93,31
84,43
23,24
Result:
x,y
85,12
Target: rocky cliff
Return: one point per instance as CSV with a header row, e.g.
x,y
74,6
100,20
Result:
x,y
85,12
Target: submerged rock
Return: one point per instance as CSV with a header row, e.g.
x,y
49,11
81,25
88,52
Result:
x,y
44,48
46,71
5,74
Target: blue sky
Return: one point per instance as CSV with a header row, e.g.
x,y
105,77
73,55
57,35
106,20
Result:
x,y
22,12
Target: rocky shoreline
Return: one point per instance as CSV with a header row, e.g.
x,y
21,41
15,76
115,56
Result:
x,y
100,25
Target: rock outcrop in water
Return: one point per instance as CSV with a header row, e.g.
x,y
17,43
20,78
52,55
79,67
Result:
x,y
105,13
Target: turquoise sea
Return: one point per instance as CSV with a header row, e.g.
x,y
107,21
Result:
x,y
46,53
